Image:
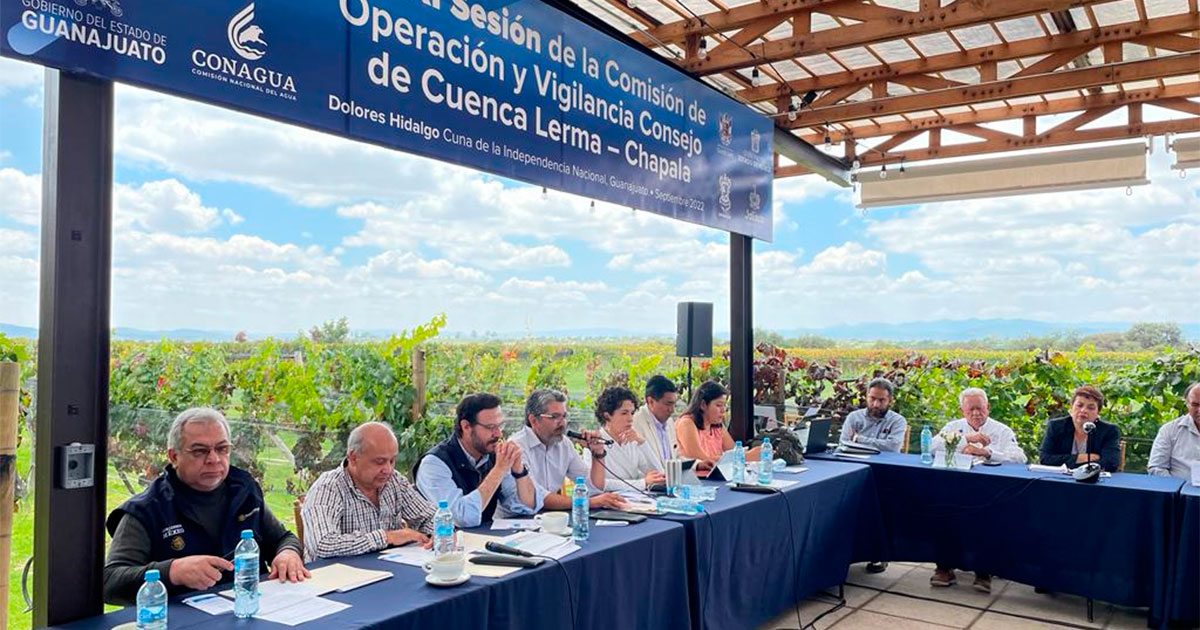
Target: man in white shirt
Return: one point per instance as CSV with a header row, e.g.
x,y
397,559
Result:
x,y
550,458
982,437
630,463
653,422
1176,450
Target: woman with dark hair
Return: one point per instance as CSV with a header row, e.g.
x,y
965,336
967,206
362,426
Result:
x,y
629,461
701,427
1067,441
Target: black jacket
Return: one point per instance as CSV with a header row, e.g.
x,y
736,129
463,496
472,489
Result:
x,y
1105,441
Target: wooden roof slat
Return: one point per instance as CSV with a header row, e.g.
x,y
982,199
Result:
x,y
916,23
1010,51
1008,88
1171,94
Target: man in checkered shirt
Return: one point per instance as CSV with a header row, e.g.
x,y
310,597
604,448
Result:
x,y
365,505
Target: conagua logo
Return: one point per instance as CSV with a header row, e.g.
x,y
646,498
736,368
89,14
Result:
x,y
245,36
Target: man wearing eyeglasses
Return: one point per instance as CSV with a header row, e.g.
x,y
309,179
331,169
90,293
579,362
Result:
x,y
474,470
551,459
187,523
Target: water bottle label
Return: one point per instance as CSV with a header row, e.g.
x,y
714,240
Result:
x,y
239,563
151,614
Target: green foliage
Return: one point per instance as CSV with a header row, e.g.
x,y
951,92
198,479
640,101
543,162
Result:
x,y
13,350
332,331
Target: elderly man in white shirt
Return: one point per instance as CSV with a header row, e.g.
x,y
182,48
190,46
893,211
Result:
x,y
982,437
1176,450
653,421
550,458
630,462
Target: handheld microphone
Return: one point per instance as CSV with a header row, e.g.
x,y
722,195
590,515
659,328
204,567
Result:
x,y
496,547
579,436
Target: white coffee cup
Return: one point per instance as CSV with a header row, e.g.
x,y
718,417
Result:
x,y
553,522
447,567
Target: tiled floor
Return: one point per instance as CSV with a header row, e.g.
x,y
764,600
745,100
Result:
x,y
902,599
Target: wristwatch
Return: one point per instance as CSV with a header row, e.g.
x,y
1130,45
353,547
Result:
x,y
602,454
524,473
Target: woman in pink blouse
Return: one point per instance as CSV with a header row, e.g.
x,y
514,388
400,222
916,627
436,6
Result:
x,y
701,427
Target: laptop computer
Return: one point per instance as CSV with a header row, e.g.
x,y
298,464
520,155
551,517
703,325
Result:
x,y
818,436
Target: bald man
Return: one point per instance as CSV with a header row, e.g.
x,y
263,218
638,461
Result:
x,y
365,505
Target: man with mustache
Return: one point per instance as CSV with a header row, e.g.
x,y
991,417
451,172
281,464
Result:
x,y
551,459
474,471
365,505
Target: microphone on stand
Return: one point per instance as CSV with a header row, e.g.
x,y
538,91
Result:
x,y
579,436
1090,471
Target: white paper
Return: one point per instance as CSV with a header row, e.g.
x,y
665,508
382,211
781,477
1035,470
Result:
x,y
515,523
412,555
795,469
292,609
782,483
275,588
604,523
542,544
210,603
852,455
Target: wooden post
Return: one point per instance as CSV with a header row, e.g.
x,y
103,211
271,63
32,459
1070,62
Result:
x,y
10,398
418,368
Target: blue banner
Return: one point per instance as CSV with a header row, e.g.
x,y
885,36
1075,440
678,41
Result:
x,y
517,89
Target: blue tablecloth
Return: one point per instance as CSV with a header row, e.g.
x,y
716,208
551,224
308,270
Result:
x,y
1112,541
755,555
623,577
1185,590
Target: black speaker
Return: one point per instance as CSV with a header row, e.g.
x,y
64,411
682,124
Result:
x,y
693,330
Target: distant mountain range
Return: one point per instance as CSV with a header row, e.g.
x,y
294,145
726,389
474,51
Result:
x,y
939,330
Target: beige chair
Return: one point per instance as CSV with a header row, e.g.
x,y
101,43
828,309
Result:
x,y
1121,465
296,507
907,434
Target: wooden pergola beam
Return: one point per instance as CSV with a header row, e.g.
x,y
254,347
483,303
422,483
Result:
x,y
721,21
910,24
1000,52
1050,139
1171,96
1077,79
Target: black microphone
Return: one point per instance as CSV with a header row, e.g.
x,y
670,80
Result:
x,y
496,547
1089,472
579,436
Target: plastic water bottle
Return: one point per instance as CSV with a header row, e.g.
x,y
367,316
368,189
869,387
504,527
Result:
x,y
766,470
579,511
152,603
926,446
739,463
245,576
677,505
443,529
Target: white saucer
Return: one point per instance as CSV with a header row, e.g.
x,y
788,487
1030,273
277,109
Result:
x,y
454,582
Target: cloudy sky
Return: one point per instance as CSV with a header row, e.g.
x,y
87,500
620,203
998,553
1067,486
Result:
x,y
223,221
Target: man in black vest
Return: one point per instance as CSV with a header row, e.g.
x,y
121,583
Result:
x,y
187,523
474,470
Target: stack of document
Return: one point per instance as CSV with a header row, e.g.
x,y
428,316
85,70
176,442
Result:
x,y
1062,470
856,448
294,603
541,544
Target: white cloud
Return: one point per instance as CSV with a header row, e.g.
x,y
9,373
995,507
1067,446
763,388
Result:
x,y
19,76
22,196
165,205
18,242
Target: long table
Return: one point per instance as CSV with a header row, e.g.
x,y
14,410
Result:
x,y
622,577
1112,541
1185,581
751,556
